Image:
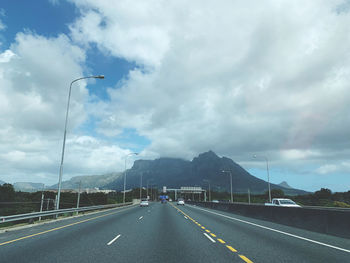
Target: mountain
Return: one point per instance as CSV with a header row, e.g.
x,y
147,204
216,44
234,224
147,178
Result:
x,y
28,187
2,182
174,173
285,185
88,181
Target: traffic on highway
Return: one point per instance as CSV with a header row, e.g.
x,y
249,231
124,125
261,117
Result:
x,y
167,232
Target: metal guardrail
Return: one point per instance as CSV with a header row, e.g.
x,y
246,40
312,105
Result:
x,y
12,218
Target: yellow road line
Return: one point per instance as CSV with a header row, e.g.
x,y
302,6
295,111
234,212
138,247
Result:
x,y
221,241
231,248
245,259
58,228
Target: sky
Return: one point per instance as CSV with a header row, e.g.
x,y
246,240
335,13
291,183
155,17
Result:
x,y
241,78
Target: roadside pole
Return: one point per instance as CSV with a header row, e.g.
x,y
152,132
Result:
x,y
41,204
78,201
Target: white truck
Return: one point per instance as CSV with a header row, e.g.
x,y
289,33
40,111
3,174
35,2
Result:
x,y
282,202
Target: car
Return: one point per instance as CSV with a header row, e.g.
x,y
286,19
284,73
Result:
x,y
180,201
284,202
144,202
215,201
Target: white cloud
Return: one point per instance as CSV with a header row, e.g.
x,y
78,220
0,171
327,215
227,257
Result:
x,y
54,2
236,77
34,79
6,56
2,25
326,169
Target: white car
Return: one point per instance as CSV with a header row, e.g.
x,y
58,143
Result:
x,y
180,201
282,202
144,202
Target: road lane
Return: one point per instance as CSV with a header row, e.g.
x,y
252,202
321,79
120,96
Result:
x,y
163,235
262,245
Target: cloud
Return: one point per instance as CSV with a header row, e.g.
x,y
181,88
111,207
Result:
x,y
2,25
54,2
34,79
236,77
240,78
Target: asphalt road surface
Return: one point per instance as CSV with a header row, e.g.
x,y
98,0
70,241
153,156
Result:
x,y
169,233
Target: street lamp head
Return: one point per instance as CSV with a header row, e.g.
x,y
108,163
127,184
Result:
x,y
99,77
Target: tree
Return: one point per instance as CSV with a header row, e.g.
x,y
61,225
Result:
x,y
7,193
275,193
324,193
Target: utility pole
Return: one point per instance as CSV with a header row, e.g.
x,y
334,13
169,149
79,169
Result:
x,y
209,193
268,174
41,204
126,157
55,205
141,186
248,195
230,183
78,201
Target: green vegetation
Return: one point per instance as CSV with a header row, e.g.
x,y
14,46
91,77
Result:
x,y
12,202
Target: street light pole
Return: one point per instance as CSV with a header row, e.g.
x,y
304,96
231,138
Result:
x,y
149,180
141,185
126,157
230,182
64,138
268,174
209,195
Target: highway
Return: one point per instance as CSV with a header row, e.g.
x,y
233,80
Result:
x,y
169,233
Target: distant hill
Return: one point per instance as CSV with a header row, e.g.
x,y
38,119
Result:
x,y
175,173
28,187
285,185
2,182
88,181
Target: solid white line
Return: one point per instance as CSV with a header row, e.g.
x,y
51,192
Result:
x,y
212,240
114,239
274,230
140,217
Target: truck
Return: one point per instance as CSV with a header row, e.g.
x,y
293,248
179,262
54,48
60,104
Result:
x,y
284,202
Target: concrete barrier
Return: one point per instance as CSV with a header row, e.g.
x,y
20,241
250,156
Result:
x,y
331,222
